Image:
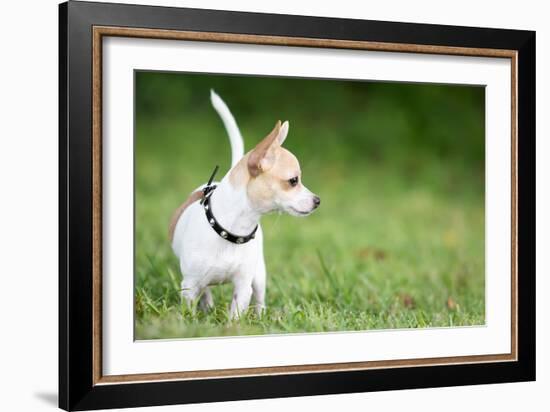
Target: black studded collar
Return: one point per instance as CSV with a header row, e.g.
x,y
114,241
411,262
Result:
x,y
212,221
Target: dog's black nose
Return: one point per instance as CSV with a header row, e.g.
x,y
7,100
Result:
x,y
316,201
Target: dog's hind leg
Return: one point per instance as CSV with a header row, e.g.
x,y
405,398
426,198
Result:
x,y
207,301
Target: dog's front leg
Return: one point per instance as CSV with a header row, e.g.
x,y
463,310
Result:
x,y
258,288
190,293
242,293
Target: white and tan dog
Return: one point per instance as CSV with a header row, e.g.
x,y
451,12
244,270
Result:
x,y
227,244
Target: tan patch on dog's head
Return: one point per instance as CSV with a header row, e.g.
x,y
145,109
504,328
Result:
x,y
261,158
272,187
270,173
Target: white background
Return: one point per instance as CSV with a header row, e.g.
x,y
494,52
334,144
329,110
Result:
x,y
122,355
28,222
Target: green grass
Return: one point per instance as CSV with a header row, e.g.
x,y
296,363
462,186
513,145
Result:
x,y
398,241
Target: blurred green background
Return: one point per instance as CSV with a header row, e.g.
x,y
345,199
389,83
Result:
x,y
398,241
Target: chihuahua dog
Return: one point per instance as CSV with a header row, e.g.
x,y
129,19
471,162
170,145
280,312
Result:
x,y
216,232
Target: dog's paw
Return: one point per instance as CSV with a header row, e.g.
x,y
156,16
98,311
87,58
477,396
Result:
x,y
260,310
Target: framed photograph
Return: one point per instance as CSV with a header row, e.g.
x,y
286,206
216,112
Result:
x,y
257,205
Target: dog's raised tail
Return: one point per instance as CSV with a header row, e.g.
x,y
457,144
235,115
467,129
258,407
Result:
x,y
235,138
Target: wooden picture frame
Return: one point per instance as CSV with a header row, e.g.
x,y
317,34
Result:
x,y
82,28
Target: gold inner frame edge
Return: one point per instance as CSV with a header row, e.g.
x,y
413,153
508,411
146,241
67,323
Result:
x,y
101,31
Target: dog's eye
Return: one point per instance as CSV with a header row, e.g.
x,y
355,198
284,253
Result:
x,y
293,182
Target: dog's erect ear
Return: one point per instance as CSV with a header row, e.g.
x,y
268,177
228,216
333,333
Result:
x,y
283,133
262,157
